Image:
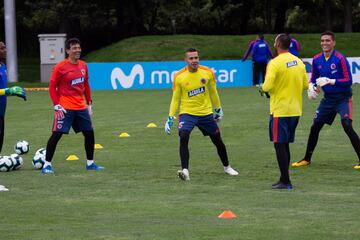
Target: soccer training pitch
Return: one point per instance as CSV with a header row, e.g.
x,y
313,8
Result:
x,y
138,195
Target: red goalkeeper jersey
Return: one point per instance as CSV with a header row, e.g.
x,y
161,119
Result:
x,y
69,84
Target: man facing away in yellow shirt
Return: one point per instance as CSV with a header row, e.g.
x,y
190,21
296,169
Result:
x,y
285,81
195,94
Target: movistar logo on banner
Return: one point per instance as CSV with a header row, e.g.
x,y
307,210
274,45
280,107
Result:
x,y
127,81
159,75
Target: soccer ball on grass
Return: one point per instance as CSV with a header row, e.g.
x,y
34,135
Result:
x,y
41,151
39,158
6,164
17,161
21,147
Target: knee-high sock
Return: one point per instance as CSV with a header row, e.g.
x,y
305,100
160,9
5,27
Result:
x,y
354,138
51,145
221,149
283,161
288,152
313,139
89,142
184,149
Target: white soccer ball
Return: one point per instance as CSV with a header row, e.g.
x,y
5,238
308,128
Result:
x,y
41,151
21,147
6,164
17,160
38,161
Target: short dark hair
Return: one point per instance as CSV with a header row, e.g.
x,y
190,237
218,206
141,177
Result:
x,y
261,36
284,41
71,41
190,50
329,33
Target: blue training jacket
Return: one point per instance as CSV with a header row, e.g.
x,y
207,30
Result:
x,y
294,48
336,67
3,84
261,52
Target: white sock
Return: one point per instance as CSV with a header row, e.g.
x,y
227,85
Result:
x,y
46,164
89,162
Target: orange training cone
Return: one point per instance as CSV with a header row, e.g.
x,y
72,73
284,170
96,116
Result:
x,y
227,214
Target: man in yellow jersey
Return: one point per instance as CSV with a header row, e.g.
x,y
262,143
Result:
x,y
194,90
284,81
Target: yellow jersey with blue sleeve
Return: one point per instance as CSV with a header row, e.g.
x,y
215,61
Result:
x,y
285,81
194,92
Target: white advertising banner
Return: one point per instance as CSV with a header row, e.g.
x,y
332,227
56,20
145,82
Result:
x,y
354,67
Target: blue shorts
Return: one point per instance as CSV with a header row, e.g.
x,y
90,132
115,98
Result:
x,y
327,110
206,124
79,120
282,129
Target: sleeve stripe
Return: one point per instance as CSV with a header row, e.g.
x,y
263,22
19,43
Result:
x,y
208,69
344,68
297,45
250,46
176,75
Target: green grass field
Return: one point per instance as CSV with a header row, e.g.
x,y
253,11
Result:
x,y
139,196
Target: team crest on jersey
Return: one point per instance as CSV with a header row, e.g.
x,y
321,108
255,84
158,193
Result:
x,y
59,126
83,71
196,91
332,66
203,80
77,81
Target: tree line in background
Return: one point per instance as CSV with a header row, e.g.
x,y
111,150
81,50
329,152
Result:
x,y
100,23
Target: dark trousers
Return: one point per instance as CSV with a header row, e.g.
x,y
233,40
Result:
x,y
2,128
258,68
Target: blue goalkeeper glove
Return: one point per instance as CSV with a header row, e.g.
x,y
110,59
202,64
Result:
x,y
169,124
16,91
218,114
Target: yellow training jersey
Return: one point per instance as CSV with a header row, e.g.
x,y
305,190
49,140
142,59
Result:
x,y
194,91
285,81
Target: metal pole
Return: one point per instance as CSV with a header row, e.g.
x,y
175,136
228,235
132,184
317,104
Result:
x,y
10,40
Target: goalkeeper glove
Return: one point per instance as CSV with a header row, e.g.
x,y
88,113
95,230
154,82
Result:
x,y
59,111
218,114
262,93
16,91
312,92
322,81
89,108
169,124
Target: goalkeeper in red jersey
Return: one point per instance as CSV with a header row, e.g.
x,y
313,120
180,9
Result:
x,y
70,93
